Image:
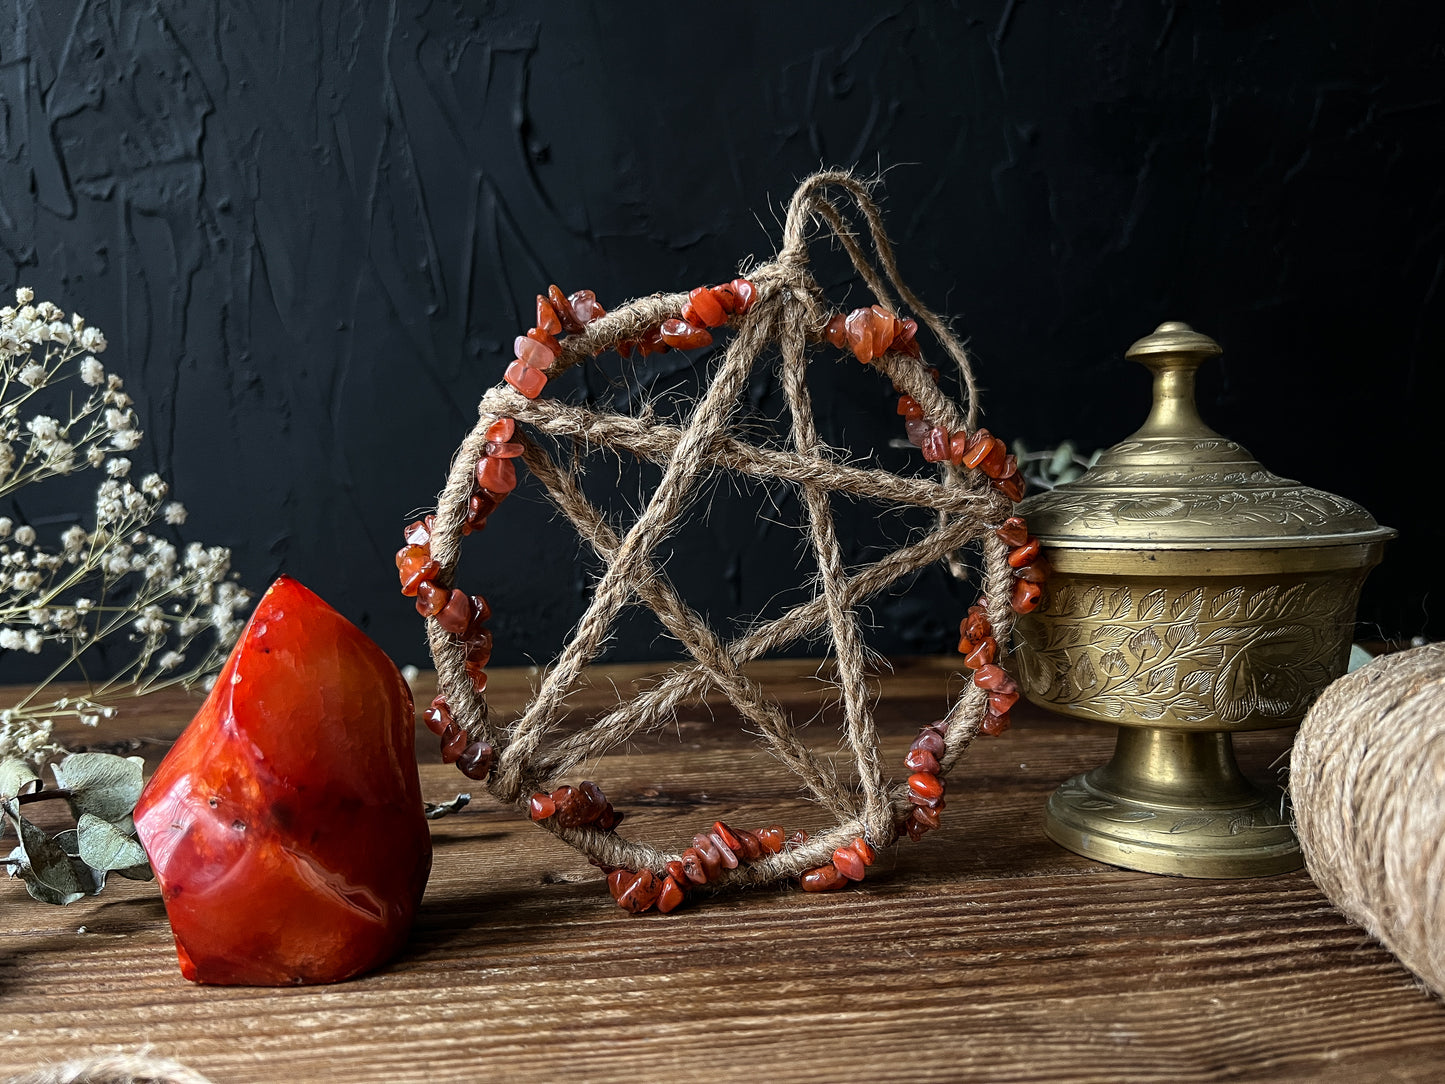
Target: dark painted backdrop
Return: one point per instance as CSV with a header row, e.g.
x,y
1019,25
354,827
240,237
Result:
x,y
311,231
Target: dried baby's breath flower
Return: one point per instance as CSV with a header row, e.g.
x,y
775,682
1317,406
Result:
x,y
111,581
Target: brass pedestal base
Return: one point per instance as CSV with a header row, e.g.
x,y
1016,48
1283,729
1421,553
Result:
x,y
1174,802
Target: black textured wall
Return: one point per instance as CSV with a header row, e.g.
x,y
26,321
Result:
x,y
311,231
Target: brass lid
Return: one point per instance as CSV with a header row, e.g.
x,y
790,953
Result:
x,y
1177,484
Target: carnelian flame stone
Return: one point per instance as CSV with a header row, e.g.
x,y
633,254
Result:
x,y
285,825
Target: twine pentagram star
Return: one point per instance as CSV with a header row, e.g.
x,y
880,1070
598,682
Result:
x,y
788,314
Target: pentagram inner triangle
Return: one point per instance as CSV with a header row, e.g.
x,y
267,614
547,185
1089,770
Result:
x,y
688,453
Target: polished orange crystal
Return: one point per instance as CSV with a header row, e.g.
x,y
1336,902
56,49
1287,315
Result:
x,y
530,352
285,825
684,336
525,379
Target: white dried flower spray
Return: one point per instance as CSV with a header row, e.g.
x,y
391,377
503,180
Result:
x,y
179,610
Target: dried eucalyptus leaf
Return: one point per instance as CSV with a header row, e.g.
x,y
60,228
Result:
x,y
436,810
104,846
101,784
142,872
16,778
49,873
68,841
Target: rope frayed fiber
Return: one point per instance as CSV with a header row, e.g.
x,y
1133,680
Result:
x,y
787,319
1367,781
113,1069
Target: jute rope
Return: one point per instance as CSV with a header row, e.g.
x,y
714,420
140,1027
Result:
x,y
788,316
1367,780
113,1069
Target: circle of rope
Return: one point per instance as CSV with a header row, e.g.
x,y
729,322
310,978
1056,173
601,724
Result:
x,y
790,312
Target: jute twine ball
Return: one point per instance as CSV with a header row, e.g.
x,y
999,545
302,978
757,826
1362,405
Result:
x,y
1367,779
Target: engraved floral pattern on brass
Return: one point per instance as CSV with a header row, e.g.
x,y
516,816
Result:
x,y
1194,594
1252,654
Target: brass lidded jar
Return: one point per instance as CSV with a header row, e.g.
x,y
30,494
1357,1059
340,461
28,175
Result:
x,y
1193,594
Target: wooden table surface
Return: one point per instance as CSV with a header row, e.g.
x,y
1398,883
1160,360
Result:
x,y
985,952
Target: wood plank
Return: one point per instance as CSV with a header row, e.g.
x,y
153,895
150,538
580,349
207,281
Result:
x,y
983,952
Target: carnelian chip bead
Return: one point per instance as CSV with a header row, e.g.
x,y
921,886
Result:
x,y
745,292
617,879
869,331
476,760
584,306
501,430
908,407
835,332
993,678
979,447
430,598
638,891
563,308
1012,488
725,297
707,307
725,835
414,565
675,870
527,380
726,854
538,335
864,850
1012,531
496,474
976,626
994,725
670,896
1036,572
457,613
929,740
1026,597
707,851
916,430
454,742
752,850
479,642
823,879
1001,703
921,760
771,838
419,533
957,445
540,806
1025,554
547,316
904,342
479,506
847,862
531,352
925,788
984,652
684,336
926,817
935,445
694,866
438,717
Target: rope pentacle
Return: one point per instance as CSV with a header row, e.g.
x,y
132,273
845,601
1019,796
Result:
x,y
778,308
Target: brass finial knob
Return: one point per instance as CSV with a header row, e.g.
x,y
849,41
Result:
x,y
1175,337
1173,353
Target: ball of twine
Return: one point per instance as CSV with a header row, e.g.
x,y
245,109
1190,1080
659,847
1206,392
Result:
x,y
1367,779
138,1068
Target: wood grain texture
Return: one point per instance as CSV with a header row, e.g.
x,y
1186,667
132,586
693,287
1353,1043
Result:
x,y
984,952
